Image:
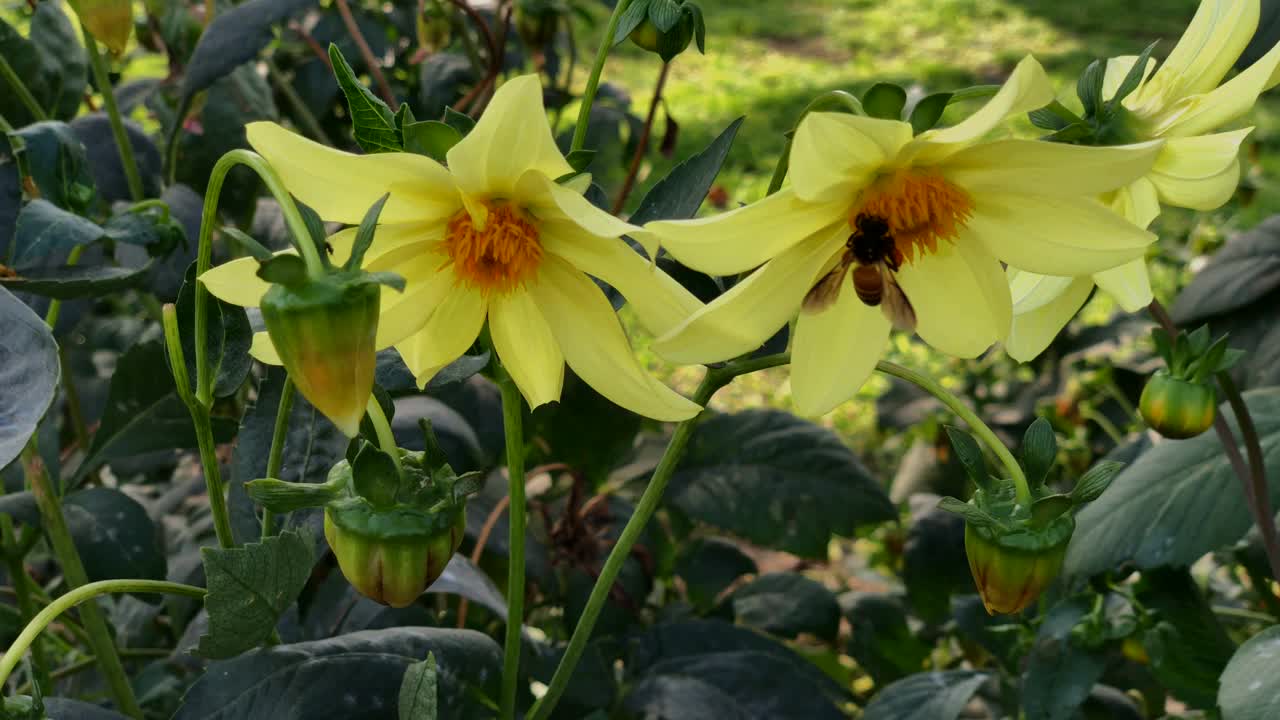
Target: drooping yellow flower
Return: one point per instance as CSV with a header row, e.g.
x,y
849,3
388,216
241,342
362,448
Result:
x,y
493,237
1184,102
953,206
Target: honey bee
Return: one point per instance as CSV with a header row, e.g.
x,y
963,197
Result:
x,y
871,248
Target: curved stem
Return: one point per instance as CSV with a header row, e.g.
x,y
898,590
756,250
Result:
x,y
643,145
715,379
20,89
513,429
74,598
275,458
95,624
123,146
593,80
979,428
1257,470
381,426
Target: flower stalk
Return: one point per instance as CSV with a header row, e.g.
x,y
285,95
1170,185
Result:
x,y
275,458
127,160
512,426
593,80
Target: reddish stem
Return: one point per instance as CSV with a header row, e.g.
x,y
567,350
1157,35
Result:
x,y
643,145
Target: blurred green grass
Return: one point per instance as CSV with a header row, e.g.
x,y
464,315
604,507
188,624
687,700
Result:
x,y
766,59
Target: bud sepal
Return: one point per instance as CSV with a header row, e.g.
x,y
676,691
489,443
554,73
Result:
x,y
664,27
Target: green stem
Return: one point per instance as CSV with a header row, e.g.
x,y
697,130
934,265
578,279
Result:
x,y
1257,471
512,427
100,640
838,100
123,146
22,590
382,427
79,595
715,379
55,305
593,80
979,428
276,457
20,89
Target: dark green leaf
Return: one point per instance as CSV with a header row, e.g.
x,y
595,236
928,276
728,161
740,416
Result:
x,y
249,588
59,165
1059,673
1250,688
882,642
29,373
635,14
228,334
970,456
114,535
884,100
77,281
1089,87
1188,647
235,37
283,269
934,565
926,696
1039,451
587,430
52,64
372,122
45,229
146,228
926,114
431,138
787,605
679,195
708,566
364,234
144,412
1093,483
1134,77
350,676
458,121
782,482
419,690
1175,502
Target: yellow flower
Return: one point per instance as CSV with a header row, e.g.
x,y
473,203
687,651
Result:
x,y
1183,104
492,237
954,206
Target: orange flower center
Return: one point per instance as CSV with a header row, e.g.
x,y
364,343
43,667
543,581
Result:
x,y
498,253
919,208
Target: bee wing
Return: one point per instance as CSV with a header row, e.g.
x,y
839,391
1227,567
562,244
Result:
x,y
896,306
827,291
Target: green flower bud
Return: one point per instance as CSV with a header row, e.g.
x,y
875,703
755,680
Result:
x,y
1011,570
1177,408
668,28
324,331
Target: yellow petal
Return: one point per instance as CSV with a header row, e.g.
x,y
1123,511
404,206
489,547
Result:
x,y
1200,172
1033,331
1205,113
1209,47
1027,89
341,186
526,347
1129,284
836,154
594,345
1055,236
403,314
512,137
1045,168
451,329
392,243
753,310
660,302
834,352
549,200
745,238
1030,291
236,282
1138,202
263,351
960,296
